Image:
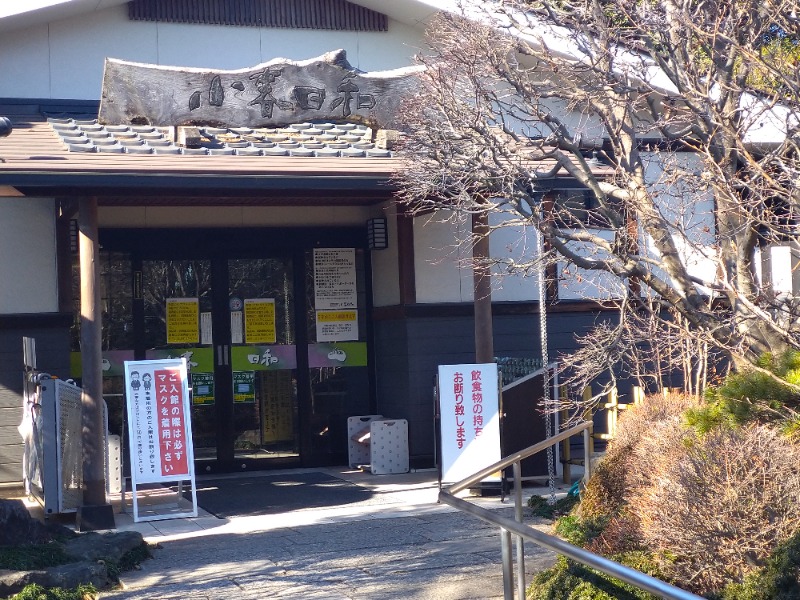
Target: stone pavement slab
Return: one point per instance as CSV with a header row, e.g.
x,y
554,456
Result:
x,y
406,546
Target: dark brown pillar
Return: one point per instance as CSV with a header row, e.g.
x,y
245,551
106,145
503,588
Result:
x,y
405,256
94,484
65,212
482,280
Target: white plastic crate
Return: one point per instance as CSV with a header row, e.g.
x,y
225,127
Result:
x,y
358,442
388,446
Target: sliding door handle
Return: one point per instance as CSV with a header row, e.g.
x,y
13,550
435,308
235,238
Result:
x,y
223,355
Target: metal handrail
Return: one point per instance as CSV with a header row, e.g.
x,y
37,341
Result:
x,y
525,532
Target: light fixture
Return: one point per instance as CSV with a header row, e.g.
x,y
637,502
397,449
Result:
x,y
377,234
5,127
73,236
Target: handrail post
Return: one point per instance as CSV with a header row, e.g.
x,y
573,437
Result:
x,y
587,415
509,527
566,468
508,568
520,541
587,455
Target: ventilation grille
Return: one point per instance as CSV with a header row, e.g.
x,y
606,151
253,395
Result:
x,y
70,444
336,15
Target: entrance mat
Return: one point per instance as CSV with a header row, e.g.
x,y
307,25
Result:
x,y
273,494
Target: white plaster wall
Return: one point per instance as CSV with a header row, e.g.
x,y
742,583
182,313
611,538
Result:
x,y
28,281
579,284
385,265
583,125
64,59
778,269
516,245
676,180
232,216
441,265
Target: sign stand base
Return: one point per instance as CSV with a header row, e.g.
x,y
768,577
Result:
x,y
159,511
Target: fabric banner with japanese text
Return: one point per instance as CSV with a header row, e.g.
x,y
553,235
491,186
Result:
x,y
469,406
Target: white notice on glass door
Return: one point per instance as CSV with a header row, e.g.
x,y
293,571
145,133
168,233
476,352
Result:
x,y
205,328
335,278
237,330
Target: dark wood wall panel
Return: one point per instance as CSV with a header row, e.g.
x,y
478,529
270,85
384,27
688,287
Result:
x,y
338,15
51,332
408,351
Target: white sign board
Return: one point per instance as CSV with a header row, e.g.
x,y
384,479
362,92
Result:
x,y
159,424
335,278
469,408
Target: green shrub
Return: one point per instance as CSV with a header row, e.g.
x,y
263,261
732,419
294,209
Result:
x,y
37,592
569,580
752,396
129,561
542,508
34,556
778,580
577,531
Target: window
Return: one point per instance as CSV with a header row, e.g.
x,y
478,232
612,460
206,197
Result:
x,y
578,208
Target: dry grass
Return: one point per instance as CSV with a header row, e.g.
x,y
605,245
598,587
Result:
x,y
718,507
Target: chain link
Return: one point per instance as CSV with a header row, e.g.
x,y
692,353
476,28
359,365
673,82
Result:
x,y
548,425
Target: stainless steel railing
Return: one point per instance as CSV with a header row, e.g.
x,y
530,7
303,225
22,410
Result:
x,y
524,532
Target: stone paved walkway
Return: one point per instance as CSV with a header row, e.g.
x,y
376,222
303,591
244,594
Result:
x,y
404,545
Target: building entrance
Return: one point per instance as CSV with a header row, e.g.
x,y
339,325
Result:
x,y
232,319
273,374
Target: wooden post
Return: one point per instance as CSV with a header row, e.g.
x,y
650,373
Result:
x,y
482,279
93,434
612,407
638,394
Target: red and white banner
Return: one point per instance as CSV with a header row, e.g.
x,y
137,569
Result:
x,y
469,408
159,420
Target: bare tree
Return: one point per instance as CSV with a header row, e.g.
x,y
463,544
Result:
x,y
678,120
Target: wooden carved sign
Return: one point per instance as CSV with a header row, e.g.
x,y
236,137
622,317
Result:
x,y
271,94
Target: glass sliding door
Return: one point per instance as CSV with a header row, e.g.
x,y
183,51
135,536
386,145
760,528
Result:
x,y
337,348
273,324
173,292
263,358
233,321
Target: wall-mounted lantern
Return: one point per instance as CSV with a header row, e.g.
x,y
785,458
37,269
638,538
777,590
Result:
x,y
5,127
377,234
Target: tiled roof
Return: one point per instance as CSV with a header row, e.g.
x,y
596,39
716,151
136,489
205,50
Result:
x,y
320,140
307,162
71,155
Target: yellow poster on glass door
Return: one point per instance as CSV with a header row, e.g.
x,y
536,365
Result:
x,y
259,320
183,321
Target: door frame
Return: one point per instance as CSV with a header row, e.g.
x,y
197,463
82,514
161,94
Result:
x,y
218,245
